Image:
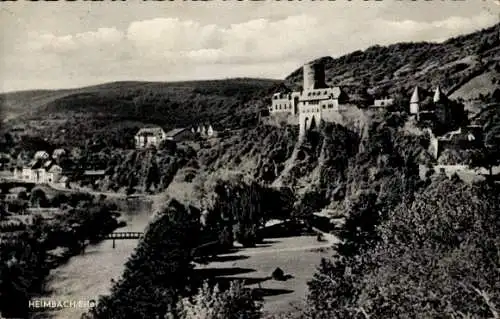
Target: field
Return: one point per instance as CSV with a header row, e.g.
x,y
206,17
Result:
x,y
296,256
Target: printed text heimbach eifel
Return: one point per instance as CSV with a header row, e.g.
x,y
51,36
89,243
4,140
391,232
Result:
x,y
44,303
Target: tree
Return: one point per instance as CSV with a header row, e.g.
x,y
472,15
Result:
x,y
241,205
489,154
212,303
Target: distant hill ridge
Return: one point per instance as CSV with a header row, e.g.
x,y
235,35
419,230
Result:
x,y
465,66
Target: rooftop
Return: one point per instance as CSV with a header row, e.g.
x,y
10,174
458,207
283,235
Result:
x,y
415,97
148,131
175,131
94,172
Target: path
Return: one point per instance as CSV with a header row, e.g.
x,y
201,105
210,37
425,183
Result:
x,y
249,252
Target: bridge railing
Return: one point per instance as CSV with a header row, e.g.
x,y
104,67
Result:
x,y
124,235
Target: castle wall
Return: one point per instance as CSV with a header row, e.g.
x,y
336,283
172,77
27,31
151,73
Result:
x,y
307,119
280,119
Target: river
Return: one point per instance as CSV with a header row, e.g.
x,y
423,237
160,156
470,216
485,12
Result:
x,y
85,277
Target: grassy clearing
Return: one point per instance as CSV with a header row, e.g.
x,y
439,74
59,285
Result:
x,y
296,256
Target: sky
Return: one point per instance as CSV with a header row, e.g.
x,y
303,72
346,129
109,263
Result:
x,y
65,44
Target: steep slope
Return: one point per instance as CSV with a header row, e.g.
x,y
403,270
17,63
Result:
x,y
400,67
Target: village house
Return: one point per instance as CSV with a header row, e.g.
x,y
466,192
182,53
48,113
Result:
x,y
149,137
16,193
40,170
179,134
315,102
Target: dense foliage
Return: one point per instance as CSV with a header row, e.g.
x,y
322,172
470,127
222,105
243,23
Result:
x,y
242,208
434,256
211,303
382,175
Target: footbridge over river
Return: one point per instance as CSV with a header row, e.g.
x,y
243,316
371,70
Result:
x,y
123,235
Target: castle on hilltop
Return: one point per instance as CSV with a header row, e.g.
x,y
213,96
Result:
x,y
315,102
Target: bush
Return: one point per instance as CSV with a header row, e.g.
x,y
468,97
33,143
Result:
x,y
278,274
212,303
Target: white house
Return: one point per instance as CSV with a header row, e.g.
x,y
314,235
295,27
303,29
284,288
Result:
x,y
39,171
149,137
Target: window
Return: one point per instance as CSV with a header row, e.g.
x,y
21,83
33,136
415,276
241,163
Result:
x,y
324,106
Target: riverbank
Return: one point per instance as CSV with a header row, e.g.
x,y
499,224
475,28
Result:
x,y
85,277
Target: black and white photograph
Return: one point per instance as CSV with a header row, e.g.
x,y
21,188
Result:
x,y
249,159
